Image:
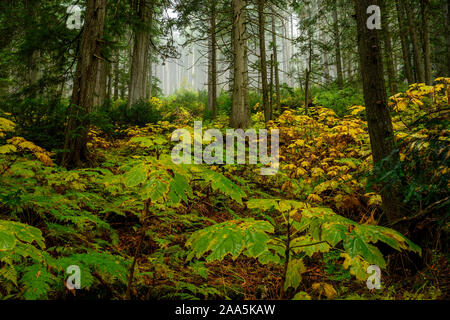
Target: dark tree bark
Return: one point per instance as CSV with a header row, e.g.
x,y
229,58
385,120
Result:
x,y
84,85
308,71
212,74
446,12
337,44
139,61
240,111
425,8
404,42
263,60
275,61
116,75
150,76
418,58
34,54
378,116
100,86
110,82
388,52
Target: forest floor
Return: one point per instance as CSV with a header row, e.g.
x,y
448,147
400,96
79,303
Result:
x,y
103,217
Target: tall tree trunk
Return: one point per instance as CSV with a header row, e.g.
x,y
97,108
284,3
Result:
x,y
263,60
378,116
309,70
150,77
446,12
337,44
212,74
275,61
34,74
388,49
404,42
325,61
100,86
286,57
425,8
240,110
271,83
110,82
418,58
139,61
84,85
116,75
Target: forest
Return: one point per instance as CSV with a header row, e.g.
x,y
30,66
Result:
x,y
224,149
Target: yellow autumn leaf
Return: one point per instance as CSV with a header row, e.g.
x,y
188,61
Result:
x,y
7,148
325,288
314,198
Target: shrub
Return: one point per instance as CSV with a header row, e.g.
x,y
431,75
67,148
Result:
x,y
39,120
339,100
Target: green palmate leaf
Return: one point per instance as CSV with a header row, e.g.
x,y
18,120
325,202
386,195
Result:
x,y
356,265
144,142
231,237
294,273
391,237
355,245
180,189
334,233
221,183
308,245
7,240
263,204
277,204
135,176
156,187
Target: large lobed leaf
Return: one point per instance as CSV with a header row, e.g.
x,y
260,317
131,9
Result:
x,y
234,237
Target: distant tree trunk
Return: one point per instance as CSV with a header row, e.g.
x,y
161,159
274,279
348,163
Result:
x,y
404,42
291,49
110,82
139,61
275,61
33,58
263,60
150,77
271,83
246,88
212,74
337,44
326,65
349,67
116,76
100,86
240,110
388,52
425,8
286,56
446,11
378,116
418,58
309,70
84,85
